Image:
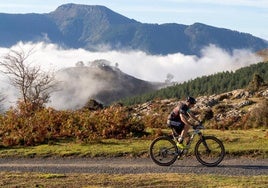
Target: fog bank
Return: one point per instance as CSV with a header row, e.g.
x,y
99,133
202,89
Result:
x,y
136,63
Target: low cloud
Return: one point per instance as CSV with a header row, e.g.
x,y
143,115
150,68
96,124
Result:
x,y
153,68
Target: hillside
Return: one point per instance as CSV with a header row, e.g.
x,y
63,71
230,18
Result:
x,y
107,84
236,109
206,85
99,28
98,81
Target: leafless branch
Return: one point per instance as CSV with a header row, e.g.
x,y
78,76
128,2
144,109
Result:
x,y
34,85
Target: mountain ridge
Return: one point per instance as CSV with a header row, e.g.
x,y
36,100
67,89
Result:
x,y
94,27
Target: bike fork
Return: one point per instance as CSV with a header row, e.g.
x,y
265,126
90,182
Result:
x,y
205,143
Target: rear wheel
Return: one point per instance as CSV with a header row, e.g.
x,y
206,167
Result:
x,y
163,151
209,151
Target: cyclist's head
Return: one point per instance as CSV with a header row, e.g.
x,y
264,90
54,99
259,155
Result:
x,y
191,100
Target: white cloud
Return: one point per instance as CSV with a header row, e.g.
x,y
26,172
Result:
x,y
136,63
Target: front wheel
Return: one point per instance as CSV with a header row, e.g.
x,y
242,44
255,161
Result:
x,y
209,151
163,151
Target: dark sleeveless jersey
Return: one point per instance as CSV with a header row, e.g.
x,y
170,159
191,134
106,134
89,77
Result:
x,y
182,108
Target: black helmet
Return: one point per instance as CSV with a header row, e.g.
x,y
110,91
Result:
x,y
191,100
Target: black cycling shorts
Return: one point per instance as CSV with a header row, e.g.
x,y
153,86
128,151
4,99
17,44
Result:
x,y
176,126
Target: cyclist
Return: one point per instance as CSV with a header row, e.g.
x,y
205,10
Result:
x,y
178,119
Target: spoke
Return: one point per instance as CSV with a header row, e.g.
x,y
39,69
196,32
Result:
x,y
163,151
209,151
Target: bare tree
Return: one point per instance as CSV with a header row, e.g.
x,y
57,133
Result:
x,y
169,78
33,84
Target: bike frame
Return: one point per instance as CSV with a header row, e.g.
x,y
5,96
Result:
x,y
191,135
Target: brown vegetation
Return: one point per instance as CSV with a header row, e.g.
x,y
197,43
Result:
x,y
19,126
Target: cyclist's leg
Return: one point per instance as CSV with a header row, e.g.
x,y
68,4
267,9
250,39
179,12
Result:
x,y
185,131
176,127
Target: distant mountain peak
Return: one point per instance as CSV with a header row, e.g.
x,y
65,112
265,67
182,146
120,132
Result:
x,y
92,12
97,28
79,9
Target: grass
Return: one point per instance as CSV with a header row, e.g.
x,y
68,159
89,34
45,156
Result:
x,y
16,179
108,148
253,143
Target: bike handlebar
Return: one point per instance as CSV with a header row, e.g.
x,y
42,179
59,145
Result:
x,y
199,126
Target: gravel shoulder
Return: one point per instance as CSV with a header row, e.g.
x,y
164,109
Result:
x,y
229,166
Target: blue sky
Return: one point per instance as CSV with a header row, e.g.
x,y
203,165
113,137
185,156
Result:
x,y
249,16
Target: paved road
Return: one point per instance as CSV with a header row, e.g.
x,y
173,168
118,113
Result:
x,y
237,166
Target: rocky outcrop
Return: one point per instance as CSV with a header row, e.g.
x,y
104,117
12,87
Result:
x,y
229,106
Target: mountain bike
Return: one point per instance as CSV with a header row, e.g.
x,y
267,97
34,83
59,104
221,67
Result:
x,y
208,150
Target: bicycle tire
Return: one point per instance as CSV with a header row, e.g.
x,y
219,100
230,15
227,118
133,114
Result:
x,y
209,151
163,151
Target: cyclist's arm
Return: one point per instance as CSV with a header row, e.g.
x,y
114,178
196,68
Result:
x,y
184,120
192,116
